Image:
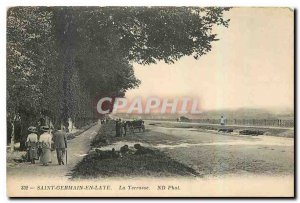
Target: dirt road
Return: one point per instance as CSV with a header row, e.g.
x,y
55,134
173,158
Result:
x,y
219,154
77,149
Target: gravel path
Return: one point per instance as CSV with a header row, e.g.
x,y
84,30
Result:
x,y
218,154
77,148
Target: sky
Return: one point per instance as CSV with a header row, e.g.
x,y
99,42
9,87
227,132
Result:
x,y
251,66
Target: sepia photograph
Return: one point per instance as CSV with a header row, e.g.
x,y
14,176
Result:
x,y
150,101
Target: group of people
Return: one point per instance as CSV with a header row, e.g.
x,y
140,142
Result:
x,y
124,127
104,121
40,147
121,128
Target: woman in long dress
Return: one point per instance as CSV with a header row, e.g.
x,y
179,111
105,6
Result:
x,y
45,144
32,144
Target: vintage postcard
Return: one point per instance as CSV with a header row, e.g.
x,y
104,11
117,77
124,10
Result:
x,y
150,102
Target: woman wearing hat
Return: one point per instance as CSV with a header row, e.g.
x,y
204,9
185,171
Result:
x,y
45,144
32,144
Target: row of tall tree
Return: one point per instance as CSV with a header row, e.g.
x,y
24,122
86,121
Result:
x,y
61,59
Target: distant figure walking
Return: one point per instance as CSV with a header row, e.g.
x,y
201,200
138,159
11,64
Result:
x,y
60,144
223,120
121,127
118,129
45,144
32,144
124,125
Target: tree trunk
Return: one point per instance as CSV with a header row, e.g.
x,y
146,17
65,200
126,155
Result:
x,y
22,136
12,138
74,122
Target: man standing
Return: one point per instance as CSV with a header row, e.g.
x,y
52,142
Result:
x,y
125,127
223,120
60,143
118,128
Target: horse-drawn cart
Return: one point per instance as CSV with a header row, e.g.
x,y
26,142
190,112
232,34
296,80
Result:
x,y
136,125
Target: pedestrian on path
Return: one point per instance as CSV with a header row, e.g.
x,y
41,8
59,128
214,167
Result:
x,y
45,144
121,127
118,128
223,120
124,125
32,144
60,144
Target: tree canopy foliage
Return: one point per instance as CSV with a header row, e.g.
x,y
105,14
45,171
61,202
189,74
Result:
x,y
61,58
